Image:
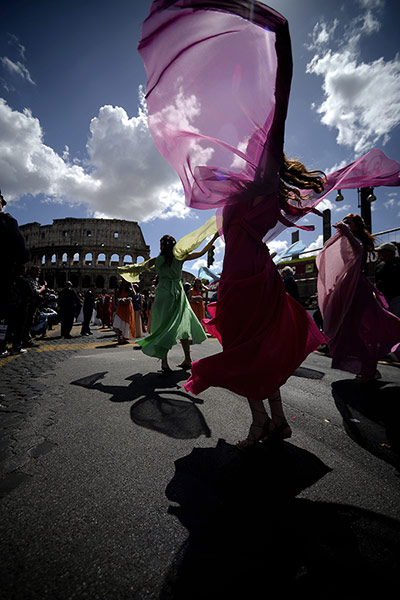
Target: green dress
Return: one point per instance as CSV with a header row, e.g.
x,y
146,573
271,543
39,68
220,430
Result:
x,y
172,318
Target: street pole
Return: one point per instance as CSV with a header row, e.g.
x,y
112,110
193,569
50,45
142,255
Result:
x,y
326,225
365,205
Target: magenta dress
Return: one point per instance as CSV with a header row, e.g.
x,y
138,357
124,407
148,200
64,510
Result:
x,y
360,329
261,351
219,75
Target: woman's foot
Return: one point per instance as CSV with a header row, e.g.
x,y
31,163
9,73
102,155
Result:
x,y
278,430
256,433
254,436
165,368
185,365
365,378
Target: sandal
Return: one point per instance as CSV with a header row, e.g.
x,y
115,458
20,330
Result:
x,y
277,433
165,368
166,371
185,365
366,378
256,434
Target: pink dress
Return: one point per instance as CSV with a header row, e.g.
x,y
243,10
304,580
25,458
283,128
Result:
x,y
360,329
218,85
263,350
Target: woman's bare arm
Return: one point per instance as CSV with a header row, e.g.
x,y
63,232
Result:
x,y
206,248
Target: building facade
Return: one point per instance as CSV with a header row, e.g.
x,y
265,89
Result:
x,y
84,251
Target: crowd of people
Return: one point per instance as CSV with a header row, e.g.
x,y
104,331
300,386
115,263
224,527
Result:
x,y
30,308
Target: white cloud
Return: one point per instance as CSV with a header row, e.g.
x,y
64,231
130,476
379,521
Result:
x,y
278,246
362,100
17,68
124,175
315,245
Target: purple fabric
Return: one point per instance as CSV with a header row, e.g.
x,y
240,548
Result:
x,y
354,313
374,169
213,81
218,86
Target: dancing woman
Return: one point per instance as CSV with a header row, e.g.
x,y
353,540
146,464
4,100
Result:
x,y
360,329
282,332
227,148
172,318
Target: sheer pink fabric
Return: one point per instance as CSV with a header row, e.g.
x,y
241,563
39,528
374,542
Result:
x,y
361,331
219,75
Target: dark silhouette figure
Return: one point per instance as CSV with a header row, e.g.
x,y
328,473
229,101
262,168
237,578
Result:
x,y
88,306
69,304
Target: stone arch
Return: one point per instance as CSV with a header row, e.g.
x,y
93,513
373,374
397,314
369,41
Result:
x,y
75,258
74,279
61,279
101,259
140,259
49,278
43,261
64,258
88,258
99,282
87,282
114,260
113,282
127,260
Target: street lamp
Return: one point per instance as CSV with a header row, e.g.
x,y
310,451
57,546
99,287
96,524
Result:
x,y
339,196
371,197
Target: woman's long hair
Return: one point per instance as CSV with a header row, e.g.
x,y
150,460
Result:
x,y
294,177
361,232
197,284
167,242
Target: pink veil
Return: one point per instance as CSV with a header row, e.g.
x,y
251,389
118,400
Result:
x,y
218,84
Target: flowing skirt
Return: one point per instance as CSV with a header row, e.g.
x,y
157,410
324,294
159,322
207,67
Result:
x,y
261,353
172,319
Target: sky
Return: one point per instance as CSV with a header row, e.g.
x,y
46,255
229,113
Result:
x,y
74,140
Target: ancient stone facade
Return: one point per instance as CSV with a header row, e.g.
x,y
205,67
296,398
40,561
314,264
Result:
x,y
84,251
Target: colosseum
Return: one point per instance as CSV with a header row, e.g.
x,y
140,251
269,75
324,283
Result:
x,y
84,251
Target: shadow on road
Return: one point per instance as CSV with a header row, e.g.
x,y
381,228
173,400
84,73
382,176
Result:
x,y
249,537
159,405
371,416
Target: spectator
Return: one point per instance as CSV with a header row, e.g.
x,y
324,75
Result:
x,y
20,299
387,276
41,319
104,308
290,282
69,305
124,319
196,299
37,289
14,253
150,301
88,306
137,303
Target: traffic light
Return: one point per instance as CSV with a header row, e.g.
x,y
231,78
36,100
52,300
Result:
x,y
210,256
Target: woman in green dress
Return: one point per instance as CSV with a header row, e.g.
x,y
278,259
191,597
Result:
x,y
172,317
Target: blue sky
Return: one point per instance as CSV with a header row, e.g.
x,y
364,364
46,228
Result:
x,y
73,132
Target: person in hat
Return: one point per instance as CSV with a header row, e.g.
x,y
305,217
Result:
x,y
387,276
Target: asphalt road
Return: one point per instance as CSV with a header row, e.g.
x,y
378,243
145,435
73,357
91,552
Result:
x,y
116,484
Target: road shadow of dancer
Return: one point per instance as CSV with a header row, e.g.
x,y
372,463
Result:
x,y
371,416
249,537
160,406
